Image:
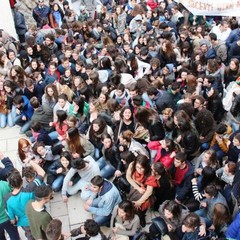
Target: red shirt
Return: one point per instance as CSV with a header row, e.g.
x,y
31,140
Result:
x,y
180,174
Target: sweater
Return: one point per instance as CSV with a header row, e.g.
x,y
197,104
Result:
x,y
16,204
86,174
38,221
131,226
5,189
106,200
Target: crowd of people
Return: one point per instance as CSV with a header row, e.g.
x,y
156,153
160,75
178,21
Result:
x,y
136,105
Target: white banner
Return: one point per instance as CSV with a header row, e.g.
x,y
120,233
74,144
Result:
x,y
213,7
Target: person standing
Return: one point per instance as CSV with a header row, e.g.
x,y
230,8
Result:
x,y
19,21
40,12
5,224
37,215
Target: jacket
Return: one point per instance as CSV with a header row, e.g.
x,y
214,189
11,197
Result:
x,y
27,109
190,142
107,199
156,130
224,144
165,159
175,222
19,21
184,189
112,155
233,230
42,136
7,167
40,13
131,226
164,100
37,92
43,115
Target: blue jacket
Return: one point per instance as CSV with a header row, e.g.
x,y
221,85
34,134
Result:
x,y
27,109
233,230
106,200
8,166
233,37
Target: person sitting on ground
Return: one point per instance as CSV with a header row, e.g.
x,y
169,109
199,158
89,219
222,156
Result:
x,y
90,229
86,168
104,196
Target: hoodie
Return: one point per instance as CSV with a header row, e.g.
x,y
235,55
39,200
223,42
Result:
x,y
106,200
27,109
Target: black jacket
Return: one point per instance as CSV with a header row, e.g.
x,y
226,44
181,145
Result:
x,y
8,166
156,130
184,190
44,115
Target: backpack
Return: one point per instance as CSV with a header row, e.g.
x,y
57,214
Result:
x,y
12,40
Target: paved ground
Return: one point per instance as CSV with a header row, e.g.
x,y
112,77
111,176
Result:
x,y
71,214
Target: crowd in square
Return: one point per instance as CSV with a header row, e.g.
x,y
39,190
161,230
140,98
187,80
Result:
x,y
132,105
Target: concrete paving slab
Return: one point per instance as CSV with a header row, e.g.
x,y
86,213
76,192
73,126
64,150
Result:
x,y
58,209
76,212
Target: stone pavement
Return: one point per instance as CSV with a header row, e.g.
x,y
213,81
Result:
x,y
71,214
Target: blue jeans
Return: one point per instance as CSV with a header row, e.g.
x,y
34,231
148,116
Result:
x,y
53,135
203,213
220,154
97,153
57,183
101,220
10,229
3,120
25,125
11,117
107,170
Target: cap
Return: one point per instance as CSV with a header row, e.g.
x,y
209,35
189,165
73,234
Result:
x,y
40,1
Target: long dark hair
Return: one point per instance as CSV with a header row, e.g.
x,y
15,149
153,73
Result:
x,y
173,208
145,163
128,208
79,101
145,115
73,141
61,116
159,168
107,150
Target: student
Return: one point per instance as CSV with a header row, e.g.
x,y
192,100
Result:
x,y
104,197
124,221
190,227
5,224
24,112
16,203
86,168
37,215
54,230
6,168
90,229
182,173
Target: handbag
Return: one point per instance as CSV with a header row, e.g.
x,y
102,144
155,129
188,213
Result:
x,y
135,195
122,185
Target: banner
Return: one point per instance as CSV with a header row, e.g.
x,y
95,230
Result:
x,y
213,7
